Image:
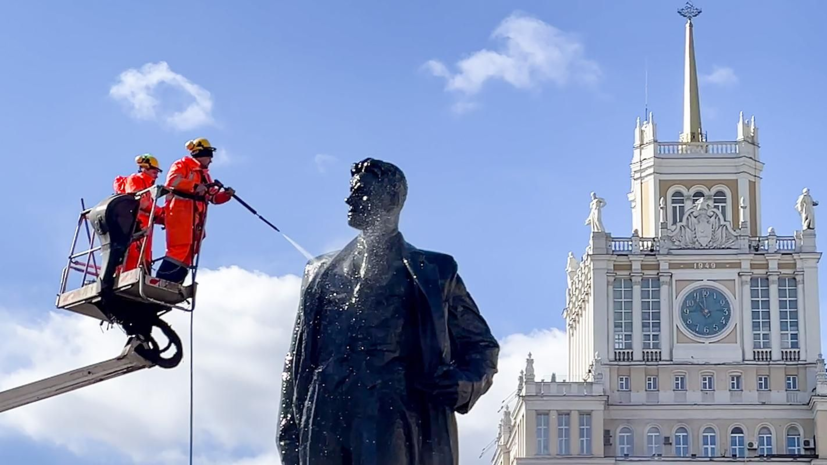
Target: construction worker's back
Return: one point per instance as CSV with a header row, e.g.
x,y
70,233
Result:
x,y
148,170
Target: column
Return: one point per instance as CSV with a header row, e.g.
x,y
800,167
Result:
x,y
802,315
746,314
610,305
637,326
775,317
575,432
665,316
597,433
813,318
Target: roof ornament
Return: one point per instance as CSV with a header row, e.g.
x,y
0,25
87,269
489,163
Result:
x,y
689,11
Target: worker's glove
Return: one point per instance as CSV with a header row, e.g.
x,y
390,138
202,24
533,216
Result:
x,y
230,191
201,189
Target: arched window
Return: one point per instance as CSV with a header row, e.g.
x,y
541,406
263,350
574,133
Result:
x,y
697,195
710,442
764,441
793,440
719,201
653,442
625,442
682,442
678,206
736,442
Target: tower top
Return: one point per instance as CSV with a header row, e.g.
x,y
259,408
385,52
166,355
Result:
x,y
692,131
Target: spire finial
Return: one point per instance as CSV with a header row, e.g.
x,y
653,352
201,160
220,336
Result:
x,y
692,131
689,11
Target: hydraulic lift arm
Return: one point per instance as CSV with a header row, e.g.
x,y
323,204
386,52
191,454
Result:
x,y
128,361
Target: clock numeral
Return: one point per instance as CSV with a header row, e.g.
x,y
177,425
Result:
x,y
686,310
690,303
705,293
723,321
689,321
706,329
698,328
714,327
723,302
726,312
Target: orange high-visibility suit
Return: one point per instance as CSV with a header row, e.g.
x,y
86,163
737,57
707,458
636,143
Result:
x,y
135,183
185,211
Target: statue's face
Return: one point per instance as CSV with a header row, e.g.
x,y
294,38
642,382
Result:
x,y
370,201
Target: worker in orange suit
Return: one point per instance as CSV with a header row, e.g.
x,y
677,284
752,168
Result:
x,y
148,171
190,182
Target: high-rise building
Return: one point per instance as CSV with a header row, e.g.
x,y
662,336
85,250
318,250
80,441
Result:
x,y
695,339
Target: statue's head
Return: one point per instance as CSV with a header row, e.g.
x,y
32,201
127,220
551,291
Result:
x,y
378,190
806,191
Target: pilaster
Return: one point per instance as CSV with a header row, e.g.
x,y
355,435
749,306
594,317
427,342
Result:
x,y
803,328
574,432
637,323
665,315
746,314
775,317
811,317
610,330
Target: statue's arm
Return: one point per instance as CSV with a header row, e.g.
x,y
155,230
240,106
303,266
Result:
x,y
288,427
287,436
474,348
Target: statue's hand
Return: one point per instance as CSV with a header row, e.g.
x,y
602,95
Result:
x,y
443,389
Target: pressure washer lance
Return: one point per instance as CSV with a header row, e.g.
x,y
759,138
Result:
x,y
218,184
252,210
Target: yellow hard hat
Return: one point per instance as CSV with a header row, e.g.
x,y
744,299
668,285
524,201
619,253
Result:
x,y
146,160
200,145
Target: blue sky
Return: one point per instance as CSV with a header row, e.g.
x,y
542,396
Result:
x,y
298,91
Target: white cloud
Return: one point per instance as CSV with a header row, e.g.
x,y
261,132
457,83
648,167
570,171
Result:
x,y
242,328
323,161
532,52
721,75
139,89
464,106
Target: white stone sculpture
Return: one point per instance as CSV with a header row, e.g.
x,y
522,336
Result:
x,y
595,219
529,368
662,210
702,227
804,206
572,265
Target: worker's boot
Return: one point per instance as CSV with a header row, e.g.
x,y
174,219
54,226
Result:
x,y
172,272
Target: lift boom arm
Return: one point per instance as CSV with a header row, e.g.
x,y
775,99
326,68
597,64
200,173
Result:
x,y
127,362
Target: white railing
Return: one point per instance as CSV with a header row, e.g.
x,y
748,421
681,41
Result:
x,y
773,244
623,355
651,245
546,388
634,245
762,355
715,148
790,355
651,355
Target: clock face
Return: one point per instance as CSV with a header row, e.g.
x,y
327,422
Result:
x,y
706,311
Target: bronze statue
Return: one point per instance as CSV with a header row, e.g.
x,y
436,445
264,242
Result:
x,y
387,345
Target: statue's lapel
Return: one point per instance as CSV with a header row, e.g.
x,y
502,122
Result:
x,y
426,276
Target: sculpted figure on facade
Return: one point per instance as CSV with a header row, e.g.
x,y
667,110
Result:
x,y
595,219
804,207
571,269
702,227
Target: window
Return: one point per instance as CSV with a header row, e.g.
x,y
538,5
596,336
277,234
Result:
x,y
678,207
719,203
793,440
763,383
542,434
653,442
792,382
707,382
698,195
680,382
682,442
623,383
625,442
764,441
623,313
710,442
735,382
788,306
585,434
563,424
650,306
651,383
760,297
736,442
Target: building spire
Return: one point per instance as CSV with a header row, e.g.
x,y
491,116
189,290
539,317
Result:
x,y
692,131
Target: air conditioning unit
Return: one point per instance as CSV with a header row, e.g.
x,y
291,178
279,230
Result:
x,y
607,437
751,446
808,444
667,441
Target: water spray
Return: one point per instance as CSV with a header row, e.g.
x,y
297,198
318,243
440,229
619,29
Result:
x,y
252,210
